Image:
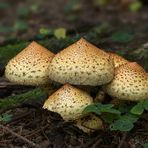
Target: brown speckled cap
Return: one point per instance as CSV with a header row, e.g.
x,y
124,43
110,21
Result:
x,y
118,60
30,66
130,83
82,64
68,101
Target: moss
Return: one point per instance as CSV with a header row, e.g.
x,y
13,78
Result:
x,y
37,95
9,51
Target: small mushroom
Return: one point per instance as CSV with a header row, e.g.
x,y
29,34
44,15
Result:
x,y
130,83
82,64
118,60
30,66
68,101
89,123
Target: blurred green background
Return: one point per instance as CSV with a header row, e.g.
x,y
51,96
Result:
x,y
25,19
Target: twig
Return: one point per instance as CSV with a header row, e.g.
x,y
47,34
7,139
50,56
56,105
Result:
x,y
122,140
88,144
114,141
19,136
96,143
20,116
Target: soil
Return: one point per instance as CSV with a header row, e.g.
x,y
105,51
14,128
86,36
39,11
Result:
x,y
45,129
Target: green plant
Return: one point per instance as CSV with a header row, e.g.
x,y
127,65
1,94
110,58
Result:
x,y
122,37
4,5
72,5
44,31
60,33
23,11
5,117
135,6
101,2
120,118
20,25
145,145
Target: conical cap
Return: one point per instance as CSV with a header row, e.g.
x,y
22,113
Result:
x,y
130,83
68,101
30,66
82,64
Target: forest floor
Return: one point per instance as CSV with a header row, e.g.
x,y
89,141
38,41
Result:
x,y
112,28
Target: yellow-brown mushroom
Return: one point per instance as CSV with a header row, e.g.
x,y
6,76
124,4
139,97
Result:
x,y
30,66
82,64
68,101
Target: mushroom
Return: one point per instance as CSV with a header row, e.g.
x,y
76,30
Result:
x,y
68,101
89,123
82,64
118,60
30,66
130,83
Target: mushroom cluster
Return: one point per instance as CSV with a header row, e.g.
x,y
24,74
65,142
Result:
x,y
80,65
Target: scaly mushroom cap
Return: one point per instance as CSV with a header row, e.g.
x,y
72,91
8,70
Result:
x,y
68,101
130,83
89,123
136,67
30,66
118,60
82,64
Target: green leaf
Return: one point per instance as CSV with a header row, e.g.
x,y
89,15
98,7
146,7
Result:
x,y
34,7
5,118
23,11
145,145
99,108
130,117
21,25
122,125
101,28
124,108
44,31
111,110
107,108
138,109
5,29
145,104
109,117
100,2
122,37
92,109
60,33
72,5
72,17
4,5
135,6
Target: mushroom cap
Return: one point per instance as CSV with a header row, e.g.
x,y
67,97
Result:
x,y
82,64
68,101
118,60
136,67
89,123
30,66
130,83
